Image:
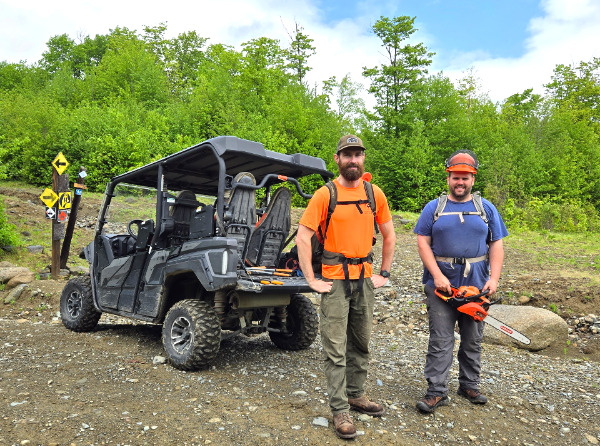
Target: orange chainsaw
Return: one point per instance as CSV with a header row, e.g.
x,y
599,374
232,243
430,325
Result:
x,y
469,300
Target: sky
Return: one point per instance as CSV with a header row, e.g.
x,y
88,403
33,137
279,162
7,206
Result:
x,y
507,45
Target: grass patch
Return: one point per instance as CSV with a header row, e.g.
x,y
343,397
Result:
x,y
577,251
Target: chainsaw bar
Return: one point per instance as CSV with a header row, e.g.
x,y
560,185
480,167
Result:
x,y
506,329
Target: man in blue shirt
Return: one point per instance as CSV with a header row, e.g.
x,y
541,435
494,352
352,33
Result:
x,y
460,244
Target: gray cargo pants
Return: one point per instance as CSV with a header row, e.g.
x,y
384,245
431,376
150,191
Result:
x,y
442,319
346,324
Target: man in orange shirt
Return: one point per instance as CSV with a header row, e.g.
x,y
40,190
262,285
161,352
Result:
x,y
347,286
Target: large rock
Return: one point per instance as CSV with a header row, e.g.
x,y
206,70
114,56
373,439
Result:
x,y
543,327
24,277
15,293
8,272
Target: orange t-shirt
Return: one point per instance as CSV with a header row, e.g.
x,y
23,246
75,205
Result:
x,y
350,233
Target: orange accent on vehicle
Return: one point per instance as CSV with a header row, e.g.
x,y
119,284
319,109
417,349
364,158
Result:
x,y
260,220
265,282
282,177
276,282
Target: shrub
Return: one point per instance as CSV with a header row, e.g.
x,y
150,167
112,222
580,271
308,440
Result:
x,y
8,232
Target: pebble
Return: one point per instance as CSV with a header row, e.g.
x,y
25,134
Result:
x,y
320,421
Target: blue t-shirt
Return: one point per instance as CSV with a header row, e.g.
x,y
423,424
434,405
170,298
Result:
x,y
451,238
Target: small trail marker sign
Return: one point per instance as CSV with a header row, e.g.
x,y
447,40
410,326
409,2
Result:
x,y
62,215
64,200
50,213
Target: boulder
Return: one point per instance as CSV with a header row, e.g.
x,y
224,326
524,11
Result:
x,y
15,293
24,277
36,249
8,272
543,327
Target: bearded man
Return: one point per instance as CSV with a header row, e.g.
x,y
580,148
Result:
x,y
347,284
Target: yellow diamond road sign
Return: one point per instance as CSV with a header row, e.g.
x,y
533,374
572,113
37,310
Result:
x,y
49,197
60,163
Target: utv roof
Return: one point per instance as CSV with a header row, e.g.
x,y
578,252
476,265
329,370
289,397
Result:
x,y
198,167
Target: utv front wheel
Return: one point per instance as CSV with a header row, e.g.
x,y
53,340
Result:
x,y
302,325
77,309
191,334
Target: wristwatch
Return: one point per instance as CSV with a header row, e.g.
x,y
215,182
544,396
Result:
x,y
384,273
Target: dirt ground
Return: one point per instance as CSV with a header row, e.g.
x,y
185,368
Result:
x,y
104,387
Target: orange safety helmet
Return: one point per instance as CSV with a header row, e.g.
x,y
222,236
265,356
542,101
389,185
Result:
x,y
462,161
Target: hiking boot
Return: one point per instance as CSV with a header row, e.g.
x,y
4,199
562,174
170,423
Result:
x,y
344,428
472,395
364,405
430,402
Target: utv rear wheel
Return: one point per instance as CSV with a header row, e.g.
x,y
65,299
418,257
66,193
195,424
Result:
x,y
302,325
191,334
77,309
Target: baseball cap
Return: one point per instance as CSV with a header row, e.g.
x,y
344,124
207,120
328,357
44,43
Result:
x,y
462,161
349,141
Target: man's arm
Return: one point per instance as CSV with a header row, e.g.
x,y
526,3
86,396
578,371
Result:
x,y
440,281
387,252
496,252
305,259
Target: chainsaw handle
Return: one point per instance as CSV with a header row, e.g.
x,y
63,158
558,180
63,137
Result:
x,y
476,296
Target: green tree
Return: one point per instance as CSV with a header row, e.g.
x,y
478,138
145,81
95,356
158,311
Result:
x,y
349,105
299,52
392,84
129,70
578,87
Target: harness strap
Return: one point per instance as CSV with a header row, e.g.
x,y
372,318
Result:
x,y
460,214
334,258
462,261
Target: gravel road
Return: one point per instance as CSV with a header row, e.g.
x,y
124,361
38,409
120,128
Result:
x,y
111,387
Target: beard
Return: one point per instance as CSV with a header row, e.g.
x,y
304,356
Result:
x,y
351,172
461,195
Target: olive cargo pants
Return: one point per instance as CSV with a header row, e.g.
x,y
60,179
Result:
x,y
346,324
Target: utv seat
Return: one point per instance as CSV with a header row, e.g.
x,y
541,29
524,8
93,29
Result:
x,y
271,231
240,215
182,212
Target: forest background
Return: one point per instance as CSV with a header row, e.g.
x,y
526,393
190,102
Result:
x,y
115,102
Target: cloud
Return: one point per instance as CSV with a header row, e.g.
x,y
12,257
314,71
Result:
x,y
567,34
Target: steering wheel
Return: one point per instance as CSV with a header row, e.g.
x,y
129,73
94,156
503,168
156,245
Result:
x,y
130,230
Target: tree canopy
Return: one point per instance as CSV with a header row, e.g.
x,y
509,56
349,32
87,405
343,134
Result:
x,y
117,101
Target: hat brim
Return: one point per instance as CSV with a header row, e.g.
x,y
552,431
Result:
x,y
462,168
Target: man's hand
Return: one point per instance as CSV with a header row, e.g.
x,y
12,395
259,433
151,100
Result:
x,y
378,280
491,285
320,286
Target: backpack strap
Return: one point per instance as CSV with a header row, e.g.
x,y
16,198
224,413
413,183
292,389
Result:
x,y
332,204
479,206
372,204
441,205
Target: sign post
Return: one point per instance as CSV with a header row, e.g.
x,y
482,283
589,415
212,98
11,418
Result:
x,y
79,187
58,214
